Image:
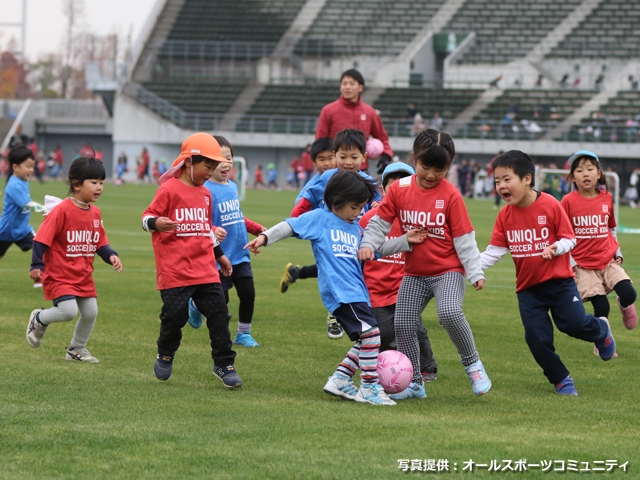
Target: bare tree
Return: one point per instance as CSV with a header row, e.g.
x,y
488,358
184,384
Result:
x,y
73,11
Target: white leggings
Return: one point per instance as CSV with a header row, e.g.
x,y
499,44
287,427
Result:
x,y
67,310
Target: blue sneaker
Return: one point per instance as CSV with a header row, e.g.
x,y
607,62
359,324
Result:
x,y
195,317
245,340
341,385
566,387
412,391
228,375
606,348
480,382
163,367
374,394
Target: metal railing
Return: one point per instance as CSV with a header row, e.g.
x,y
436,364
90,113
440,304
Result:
x,y
76,109
215,50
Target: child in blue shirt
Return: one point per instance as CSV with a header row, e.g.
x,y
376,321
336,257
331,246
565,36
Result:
x,y
335,237
14,222
231,229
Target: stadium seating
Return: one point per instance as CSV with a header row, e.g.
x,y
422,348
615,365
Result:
x,y
393,102
369,27
232,21
611,31
197,95
544,107
507,29
617,121
282,101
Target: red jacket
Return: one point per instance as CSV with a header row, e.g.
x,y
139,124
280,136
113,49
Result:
x,y
343,114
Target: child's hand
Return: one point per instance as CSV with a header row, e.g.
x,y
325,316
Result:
x,y
165,225
479,285
618,260
549,252
117,264
225,266
365,253
256,243
220,234
35,274
375,204
416,235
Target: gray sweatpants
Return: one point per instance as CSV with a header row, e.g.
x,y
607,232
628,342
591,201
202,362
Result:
x,y
67,309
413,297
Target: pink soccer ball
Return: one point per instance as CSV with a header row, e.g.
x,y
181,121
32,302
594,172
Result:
x,y
374,148
394,371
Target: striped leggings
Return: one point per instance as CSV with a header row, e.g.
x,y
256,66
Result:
x,y
413,297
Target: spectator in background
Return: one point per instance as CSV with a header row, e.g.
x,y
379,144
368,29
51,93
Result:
x,y
494,83
294,167
634,82
464,175
31,145
258,178
146,161
307,163
418,125
436,122
18,138
539,80
58,159
412,111
272,175
512,110
599,80
121,167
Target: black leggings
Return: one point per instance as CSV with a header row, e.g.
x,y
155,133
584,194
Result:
x,y
247,295
309,271
623,289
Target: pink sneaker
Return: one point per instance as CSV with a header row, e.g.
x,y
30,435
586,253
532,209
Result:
x,y
629,315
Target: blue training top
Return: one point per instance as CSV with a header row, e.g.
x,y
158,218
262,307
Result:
x,y
14,223
335,245
312,181
315,193
227,214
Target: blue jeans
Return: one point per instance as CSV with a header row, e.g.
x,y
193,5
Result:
x,y
561,297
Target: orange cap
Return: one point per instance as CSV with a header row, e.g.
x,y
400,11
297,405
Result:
x,y
200,143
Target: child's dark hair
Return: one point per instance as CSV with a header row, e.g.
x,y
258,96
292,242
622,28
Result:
x,y
519,162
18,155
84,168
345,187
350,138
353,73
323,144
195,159
223,142
602,181
432,148
394,176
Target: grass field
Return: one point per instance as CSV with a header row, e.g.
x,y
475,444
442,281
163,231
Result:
x,y
61,420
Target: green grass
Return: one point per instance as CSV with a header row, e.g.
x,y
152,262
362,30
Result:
x,y
60,419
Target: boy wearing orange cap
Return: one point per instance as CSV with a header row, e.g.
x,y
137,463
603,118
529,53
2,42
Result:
x,y
179,219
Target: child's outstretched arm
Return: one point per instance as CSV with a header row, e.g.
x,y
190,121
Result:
x,y
403,243
469,255
373,238
276,233
560,247
161,224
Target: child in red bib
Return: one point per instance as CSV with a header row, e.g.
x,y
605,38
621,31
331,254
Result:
x,y
186,251
536,230
596,258
63,251
435,268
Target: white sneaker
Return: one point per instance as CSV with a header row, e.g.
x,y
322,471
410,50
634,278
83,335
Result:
x,y
80,354
341,386
35,329
374,394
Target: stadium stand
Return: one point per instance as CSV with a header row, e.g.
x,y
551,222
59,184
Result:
x,y
612,31
197,94
508,29
616,121
280,101
392,104
535,112
234,21
365,27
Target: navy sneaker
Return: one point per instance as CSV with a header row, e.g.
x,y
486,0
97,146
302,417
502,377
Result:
x,y
606,348
566,387
228,375
163,367
195,317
